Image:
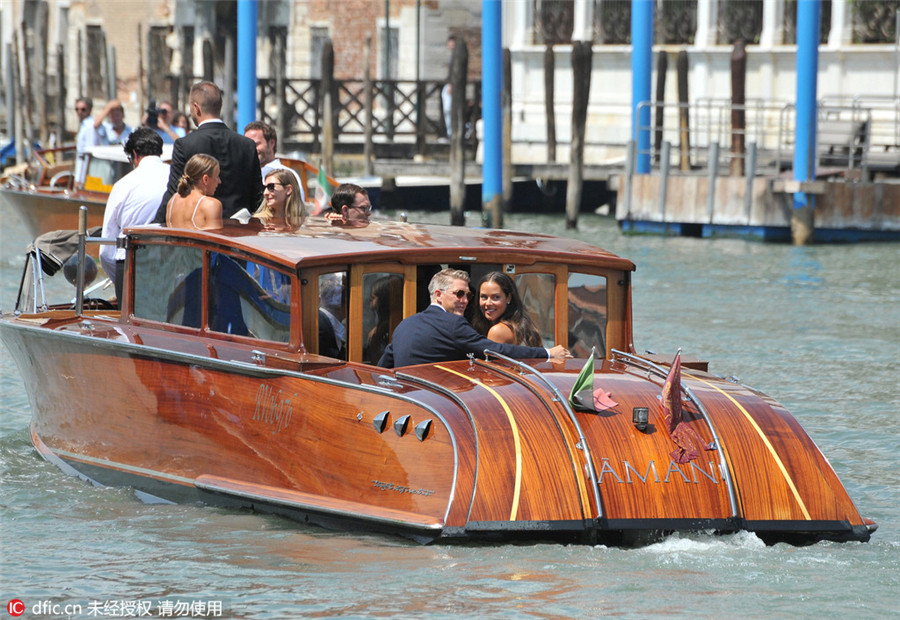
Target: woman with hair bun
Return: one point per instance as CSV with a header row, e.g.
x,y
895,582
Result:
x,y
193,206
501,316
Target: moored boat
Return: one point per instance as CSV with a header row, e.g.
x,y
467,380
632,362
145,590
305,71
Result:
x,y
46,198
214,388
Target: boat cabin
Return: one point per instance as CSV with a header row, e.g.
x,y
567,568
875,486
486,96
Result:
x,y
338,293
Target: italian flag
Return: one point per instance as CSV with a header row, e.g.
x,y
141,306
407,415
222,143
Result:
x,y
323,191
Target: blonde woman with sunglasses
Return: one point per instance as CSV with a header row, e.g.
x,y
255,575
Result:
x,y
282,206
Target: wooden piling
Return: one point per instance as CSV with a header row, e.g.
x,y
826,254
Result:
x,y
208,60
39,60
142,101
459,69
9,94
581,72
229,81
24,98
16,94
328,106
112,81
61,93
280,52
549,102
506,114
368,146
738,116
662,66
684,125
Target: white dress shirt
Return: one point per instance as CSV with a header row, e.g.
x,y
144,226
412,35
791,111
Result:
x,y
86,138
132,201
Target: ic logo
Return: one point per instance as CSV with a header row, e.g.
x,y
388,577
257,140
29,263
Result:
x,y
15,607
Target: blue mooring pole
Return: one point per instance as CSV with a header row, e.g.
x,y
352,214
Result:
x,y
641,69
491,84
246,63
808,17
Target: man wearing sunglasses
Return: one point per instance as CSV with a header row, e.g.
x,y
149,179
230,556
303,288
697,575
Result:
x,y
350,206
440,333
86,138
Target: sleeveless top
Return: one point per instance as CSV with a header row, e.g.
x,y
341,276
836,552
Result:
x,y
169,213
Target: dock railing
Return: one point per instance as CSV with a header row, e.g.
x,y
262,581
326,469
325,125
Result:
x,y
862,134
855,140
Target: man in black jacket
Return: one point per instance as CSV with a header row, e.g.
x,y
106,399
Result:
x,y
239,169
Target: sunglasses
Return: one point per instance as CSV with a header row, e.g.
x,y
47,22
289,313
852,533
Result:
x,y
459,294
80,109
270,187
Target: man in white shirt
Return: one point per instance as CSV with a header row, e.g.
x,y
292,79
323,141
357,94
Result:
x,y
134,198
86,138
266,140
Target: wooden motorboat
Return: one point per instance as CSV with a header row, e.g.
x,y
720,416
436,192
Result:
x,y
46,199
44,196
215,388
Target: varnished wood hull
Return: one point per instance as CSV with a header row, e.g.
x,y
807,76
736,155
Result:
x,y
487,452
43,211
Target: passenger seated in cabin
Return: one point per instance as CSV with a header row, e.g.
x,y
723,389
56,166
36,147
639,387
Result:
x,y
332,331
266,139
440,333
500,314
350,206
282,206
194,206
387,295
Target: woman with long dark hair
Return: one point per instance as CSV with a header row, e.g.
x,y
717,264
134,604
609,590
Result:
x,y
501,316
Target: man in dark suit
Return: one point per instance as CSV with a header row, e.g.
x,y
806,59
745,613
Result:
x,y
239,169
440,332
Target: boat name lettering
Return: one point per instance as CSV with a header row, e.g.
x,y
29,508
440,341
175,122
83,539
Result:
x,y
272,408
390,486
686,472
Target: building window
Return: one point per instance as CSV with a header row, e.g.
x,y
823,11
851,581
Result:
x,y
676,21
739,20
318,37
390,72
875,21
95,42
553,21
167,284
612,22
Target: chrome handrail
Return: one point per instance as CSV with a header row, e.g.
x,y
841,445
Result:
x,y
582,442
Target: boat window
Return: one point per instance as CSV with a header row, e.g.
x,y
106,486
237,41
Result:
x,y
587,314
167,284
103,173
538,293
382,311
249,299
333,300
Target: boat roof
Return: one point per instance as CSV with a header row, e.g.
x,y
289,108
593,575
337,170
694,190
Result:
x,y
318,242
116,152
